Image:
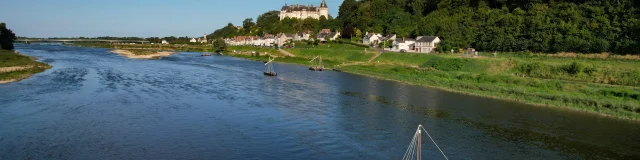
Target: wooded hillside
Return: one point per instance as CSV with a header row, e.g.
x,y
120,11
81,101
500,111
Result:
x,y
584,26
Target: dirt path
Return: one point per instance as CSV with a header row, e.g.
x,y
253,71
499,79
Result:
x,y
13,68
286,53
378,53
129,54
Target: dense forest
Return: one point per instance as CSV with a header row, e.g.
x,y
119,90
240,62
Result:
x,y
584,26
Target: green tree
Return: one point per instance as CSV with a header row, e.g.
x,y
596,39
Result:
x,y
310,24
247,25
219,45
268,22
6,37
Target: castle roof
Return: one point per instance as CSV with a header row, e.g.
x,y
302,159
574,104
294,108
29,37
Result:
x,y
297,7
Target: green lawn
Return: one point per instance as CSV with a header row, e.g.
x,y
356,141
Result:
x,y
10,59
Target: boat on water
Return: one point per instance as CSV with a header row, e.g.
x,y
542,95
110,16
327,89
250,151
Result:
x,y
205,54
316,64
414,151
269,71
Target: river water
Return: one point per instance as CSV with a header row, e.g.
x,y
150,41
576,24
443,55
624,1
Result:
x,y
97,105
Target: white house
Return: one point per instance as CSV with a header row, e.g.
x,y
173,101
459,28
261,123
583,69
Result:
x,y
389,37
302,36
404,44
165,42
282,38
326,34
371,38
193,40
268,40
334,35
426,44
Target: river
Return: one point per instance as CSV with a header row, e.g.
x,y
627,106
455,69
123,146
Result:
x,y
98,105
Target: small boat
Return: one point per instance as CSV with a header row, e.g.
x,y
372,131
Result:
x,y
269,71
316,66
205,54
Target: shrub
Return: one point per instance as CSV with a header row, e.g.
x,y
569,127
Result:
x,y
574,68
535,69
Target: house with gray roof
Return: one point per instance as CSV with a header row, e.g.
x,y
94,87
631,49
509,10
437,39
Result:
x,y
426,44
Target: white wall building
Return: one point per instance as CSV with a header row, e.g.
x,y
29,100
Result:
x,y
304,11
404,44
371,38
426,44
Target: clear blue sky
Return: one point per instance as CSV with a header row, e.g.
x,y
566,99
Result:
x,y
139,18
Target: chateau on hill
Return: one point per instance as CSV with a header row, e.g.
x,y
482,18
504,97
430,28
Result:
x,y
304,11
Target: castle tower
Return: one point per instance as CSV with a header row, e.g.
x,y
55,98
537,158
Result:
x,y
204,38
324,10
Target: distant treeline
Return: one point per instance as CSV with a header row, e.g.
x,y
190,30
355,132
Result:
x,y
584,26
170,39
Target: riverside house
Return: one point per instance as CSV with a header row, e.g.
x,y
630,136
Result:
x,y
325,34
404,44
371,38
426,44
282,38
300,36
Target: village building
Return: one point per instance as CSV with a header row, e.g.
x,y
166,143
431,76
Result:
x,y
372,38
300,36
389,37
203,39
268,40
165,42
404,44
326,34
193,40
426,44
304,11
282,38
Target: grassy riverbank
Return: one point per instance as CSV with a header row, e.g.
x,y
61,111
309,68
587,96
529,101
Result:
x,y
15,66
606,85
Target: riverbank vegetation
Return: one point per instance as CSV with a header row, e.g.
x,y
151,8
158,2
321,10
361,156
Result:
x,y
15,66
